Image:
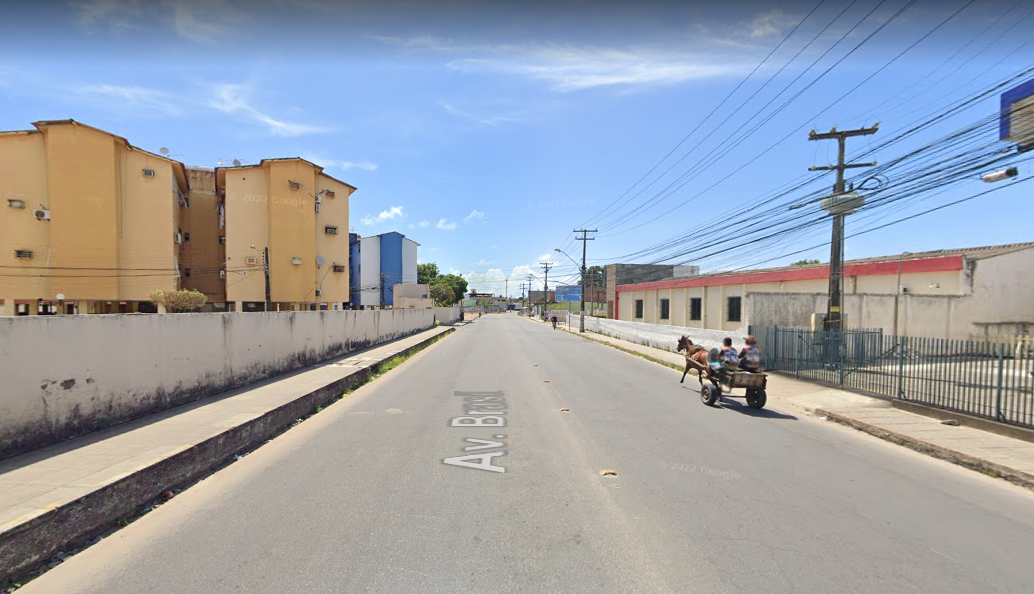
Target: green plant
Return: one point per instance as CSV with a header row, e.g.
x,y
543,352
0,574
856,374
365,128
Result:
x,y
179,301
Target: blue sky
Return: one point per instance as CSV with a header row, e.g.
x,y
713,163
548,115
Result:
x,y
487,131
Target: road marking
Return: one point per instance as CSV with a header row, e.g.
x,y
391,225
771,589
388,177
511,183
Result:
x,y
482,409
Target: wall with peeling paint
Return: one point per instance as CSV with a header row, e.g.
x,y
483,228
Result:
x,y
64,376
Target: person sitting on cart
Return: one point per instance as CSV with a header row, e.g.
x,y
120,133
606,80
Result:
x,y
750,356
728,356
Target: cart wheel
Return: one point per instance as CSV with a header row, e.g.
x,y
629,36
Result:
x,y
708,394
756,398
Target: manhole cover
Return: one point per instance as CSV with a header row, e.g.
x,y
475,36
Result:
x,y
608,473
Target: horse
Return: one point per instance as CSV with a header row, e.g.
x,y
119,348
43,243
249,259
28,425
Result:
x,y
696,358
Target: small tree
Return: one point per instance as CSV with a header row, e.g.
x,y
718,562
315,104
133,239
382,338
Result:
x,y
179,301
805,263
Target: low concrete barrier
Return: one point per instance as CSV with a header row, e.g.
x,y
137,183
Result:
x,y
65,376
660,336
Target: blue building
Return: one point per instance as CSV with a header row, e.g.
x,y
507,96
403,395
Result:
x,y
378,263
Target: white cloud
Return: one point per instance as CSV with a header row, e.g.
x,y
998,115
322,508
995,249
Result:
x,y
484,262
475,215
774,22
232,98
368,166
490,120
385,215
572,68
131,97
446,225
419,225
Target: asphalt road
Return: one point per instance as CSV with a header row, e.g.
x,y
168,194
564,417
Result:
x,y
706,500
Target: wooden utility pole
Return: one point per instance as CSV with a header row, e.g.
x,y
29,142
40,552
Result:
x,y
584,239
545,288
836,256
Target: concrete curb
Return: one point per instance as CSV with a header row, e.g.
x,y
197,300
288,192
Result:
x,y
24,547
1012,475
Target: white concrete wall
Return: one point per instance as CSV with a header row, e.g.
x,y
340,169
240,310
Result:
x,y
447,315
66,375
661,336
370,271
408,260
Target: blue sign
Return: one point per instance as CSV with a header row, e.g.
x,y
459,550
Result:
x,y
566,293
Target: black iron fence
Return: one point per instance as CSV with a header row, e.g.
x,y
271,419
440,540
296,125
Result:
x,y
989,379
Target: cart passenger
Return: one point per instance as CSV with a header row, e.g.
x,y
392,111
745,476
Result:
x,y
750,356
728,355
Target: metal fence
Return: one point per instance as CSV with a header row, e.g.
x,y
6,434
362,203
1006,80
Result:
x,y
994,380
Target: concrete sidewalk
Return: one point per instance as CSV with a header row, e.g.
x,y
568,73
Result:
x,y
983,451
55,497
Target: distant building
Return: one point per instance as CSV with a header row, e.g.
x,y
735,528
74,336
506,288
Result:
x,y
627,274
536,296
411,296
380,262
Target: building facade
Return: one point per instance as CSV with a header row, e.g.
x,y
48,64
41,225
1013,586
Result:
x,y
961,294
88,223
627,274
283,224
378,263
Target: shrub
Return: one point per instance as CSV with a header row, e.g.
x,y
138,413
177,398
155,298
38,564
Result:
x,y
179,301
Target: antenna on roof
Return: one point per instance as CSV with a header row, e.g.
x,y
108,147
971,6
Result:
x,y
236,162
164,151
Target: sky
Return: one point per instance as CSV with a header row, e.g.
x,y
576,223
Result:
x,y
488,131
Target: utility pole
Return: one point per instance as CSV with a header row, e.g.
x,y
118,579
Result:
x,y
836,257
382,290
584,239
530,278
265,264
545,288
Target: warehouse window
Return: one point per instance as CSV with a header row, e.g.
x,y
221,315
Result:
x,y
733,309
694,308
665,308
639,309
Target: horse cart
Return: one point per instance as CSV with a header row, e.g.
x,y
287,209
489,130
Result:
x,y
723,381
720,378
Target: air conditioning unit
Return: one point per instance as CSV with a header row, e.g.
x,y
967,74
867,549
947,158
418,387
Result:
x,y
177,238
296,261
317,207
148,172
329,194
330,230
222,240
42,214
339,268
294,185
222,274
15,203
319,292
23,254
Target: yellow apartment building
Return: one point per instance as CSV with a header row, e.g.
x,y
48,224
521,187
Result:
x,y
203,261
289,214
88,222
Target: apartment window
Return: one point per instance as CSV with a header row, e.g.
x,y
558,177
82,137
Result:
x,y
148,172
665,308
639,309
733,309
24,254
330,230
339,268
222,240
329,194
695,308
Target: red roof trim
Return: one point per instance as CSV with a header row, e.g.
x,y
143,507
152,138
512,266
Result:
x,y
941,264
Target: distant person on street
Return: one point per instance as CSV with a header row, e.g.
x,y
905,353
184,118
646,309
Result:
x,y
750,356
554,322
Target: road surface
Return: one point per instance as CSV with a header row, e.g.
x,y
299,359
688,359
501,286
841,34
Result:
x,y
382,493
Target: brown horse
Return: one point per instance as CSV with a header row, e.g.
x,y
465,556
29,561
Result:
x,y
696,358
